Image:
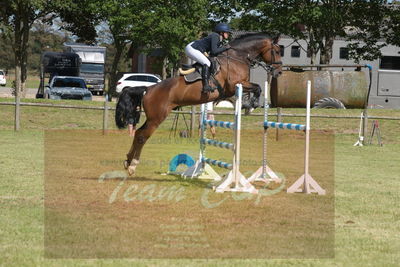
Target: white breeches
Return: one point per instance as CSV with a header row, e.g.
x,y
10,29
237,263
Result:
x,y
196,55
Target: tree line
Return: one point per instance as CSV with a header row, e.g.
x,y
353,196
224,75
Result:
x,y
43,38
144,25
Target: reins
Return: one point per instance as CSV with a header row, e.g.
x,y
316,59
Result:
x,y
236,59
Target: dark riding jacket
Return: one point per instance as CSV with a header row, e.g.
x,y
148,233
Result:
x,y
210,44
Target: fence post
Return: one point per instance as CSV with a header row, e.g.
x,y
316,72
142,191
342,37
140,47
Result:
x,y
192,121
17,98
17,112
105,114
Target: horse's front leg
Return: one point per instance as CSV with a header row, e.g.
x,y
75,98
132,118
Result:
x,y
141,137
254,90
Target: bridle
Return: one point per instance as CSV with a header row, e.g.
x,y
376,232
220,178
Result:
x,y
270,67
256,61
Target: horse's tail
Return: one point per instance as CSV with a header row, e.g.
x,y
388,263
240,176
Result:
x,y
128,106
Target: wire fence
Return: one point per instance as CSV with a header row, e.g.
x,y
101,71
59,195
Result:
x,y
105,108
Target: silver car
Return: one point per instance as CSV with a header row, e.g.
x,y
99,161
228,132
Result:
x,y
67,87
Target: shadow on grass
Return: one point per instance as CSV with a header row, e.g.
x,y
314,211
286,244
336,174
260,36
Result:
x,y
174,179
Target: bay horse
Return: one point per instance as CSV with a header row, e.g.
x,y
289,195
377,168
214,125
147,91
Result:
x,y
160,99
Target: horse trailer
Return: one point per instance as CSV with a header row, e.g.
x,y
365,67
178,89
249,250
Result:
x,y
56,64
92,69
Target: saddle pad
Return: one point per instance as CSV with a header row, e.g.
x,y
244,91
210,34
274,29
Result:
x,y
192,77
196,75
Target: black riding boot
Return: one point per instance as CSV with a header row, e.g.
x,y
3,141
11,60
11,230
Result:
x,y
205,75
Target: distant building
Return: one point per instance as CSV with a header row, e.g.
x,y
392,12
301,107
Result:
x,y
152,63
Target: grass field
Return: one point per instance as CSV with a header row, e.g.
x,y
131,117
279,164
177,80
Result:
x,y
32,80
55,212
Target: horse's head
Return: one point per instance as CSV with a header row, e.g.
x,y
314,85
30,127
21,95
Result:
x,y
271,54
256,46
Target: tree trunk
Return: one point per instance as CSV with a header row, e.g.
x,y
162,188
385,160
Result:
x,y
312,48
17,54
164,68
17,97
21,38
326,51
24,55
312,53
112,82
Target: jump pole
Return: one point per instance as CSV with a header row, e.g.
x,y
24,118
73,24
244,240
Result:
x,y
265,173
306,184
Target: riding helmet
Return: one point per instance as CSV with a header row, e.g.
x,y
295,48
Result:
x,y
222,27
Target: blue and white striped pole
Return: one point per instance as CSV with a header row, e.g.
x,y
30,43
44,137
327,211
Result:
x,y
218,143
281,125
222,124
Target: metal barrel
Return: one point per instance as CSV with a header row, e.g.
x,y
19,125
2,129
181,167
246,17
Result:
x,y
350,87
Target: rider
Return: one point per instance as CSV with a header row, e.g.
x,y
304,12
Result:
x,y
212,45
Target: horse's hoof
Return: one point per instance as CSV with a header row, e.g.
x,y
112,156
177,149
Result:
x,y
132,167
131,170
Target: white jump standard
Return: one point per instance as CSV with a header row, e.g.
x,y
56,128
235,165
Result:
x,y
234,181
306,184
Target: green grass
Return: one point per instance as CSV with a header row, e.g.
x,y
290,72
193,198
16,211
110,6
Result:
x,y
366,189
32,80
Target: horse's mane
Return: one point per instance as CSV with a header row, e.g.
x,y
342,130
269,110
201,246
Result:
x,y
245,39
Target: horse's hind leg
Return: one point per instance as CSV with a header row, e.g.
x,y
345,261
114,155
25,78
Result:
x,y
141,136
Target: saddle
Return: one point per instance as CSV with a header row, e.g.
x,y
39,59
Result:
x,y
192,73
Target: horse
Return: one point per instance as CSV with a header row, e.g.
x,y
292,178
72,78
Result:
x,y
160,99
